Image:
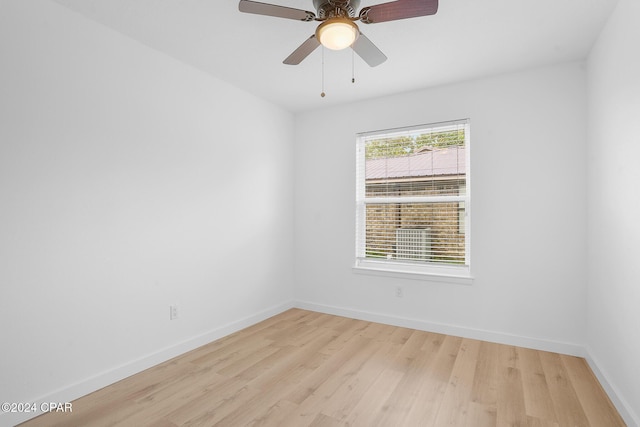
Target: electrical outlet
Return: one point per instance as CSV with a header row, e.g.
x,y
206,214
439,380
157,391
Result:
x,y
173,312
399,292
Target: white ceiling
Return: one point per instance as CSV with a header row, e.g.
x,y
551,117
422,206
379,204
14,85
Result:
x,y
466,39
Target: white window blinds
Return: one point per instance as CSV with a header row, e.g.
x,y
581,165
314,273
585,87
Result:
x,y
412,196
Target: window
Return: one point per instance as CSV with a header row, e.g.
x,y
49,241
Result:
x,y
412,201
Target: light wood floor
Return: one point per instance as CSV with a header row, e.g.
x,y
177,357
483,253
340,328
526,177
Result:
x,y
302,368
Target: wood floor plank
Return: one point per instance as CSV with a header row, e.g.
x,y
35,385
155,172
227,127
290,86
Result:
x,y
303,368
211,408
294,365
540,422
537,397
566,403
481,415
433,383
378,332
246,411
510,406
187,406
349,394
485,380
416,356
274,416
455,402
229,353
325,392
595,402
322,420
372,404
315,378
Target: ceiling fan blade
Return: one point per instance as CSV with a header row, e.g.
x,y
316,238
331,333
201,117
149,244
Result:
x,y
275,10
368,51
302,51
400,9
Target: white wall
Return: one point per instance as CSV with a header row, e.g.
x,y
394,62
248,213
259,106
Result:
x,y
528,172
614,204
128,182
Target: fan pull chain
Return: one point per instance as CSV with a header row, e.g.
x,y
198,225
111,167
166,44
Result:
x,y
353,67
322,93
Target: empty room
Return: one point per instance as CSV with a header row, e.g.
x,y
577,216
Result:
x,y
319,213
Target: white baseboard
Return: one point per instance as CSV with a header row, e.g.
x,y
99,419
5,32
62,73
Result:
x,y
624,408
441,328
98,381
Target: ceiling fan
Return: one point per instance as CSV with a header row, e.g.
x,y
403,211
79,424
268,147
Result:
x,y
338,29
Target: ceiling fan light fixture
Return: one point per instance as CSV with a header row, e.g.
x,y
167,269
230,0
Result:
x,y
337,33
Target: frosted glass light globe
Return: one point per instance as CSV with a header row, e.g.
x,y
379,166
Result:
x,y
337,33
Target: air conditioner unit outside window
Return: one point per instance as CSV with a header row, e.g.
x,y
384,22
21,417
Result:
x,y
413,244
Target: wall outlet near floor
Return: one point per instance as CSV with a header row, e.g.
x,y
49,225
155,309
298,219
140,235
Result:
x,y
399,292
173,312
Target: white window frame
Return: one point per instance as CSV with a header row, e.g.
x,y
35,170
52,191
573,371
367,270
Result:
x,y
460,274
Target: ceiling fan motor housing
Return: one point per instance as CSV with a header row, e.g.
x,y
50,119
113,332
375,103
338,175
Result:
x,y
332,8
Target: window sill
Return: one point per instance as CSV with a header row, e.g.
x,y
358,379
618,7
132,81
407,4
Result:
x,y
397,271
